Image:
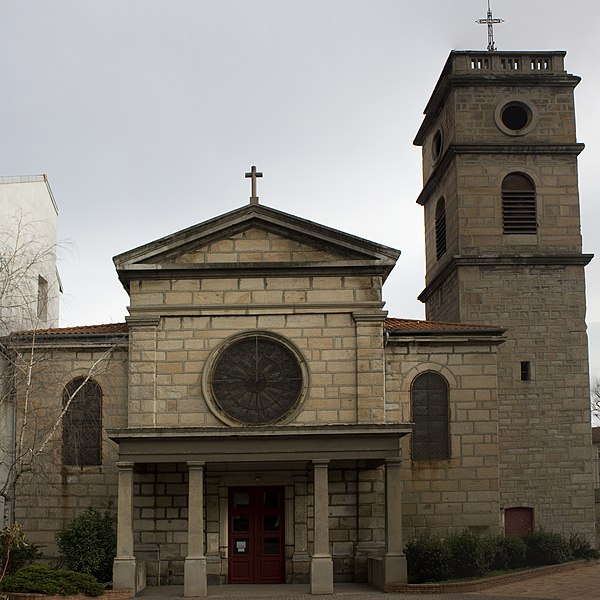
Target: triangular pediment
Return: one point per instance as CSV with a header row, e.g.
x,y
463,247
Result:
x,y
252,244
253,239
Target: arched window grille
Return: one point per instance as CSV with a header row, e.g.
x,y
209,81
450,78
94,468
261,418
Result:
x,y
82,423
430,416
519,213
440,228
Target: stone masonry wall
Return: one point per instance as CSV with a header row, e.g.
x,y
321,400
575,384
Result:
x,y
544,423
160,521
315,314
462,492
67,490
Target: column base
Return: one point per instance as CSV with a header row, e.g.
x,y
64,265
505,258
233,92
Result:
x,y
194,577
124,573
321,574
394,569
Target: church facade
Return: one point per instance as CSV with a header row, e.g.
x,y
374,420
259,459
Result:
x,y
261,419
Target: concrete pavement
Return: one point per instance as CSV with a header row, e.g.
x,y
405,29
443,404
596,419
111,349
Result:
x,y
579,583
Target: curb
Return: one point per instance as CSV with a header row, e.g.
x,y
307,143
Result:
x,y
107,595
489,582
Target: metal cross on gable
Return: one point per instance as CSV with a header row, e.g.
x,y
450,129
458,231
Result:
x,y
490,21
253,175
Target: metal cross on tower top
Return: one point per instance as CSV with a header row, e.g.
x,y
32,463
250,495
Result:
x,y
253,175
490,21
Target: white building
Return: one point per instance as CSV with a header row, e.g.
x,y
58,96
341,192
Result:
x,y
29,283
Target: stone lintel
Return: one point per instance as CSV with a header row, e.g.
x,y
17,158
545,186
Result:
x,y
261,445
182,271
209,310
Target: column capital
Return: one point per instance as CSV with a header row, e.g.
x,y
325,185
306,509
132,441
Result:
x,y
125,465
320,462
396,461
196,464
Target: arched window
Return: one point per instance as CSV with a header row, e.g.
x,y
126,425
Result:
x,y
518,204
440,228
82,423
431,430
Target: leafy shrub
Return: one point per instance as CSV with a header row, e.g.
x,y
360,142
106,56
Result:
x,y
427,559
88,544
581,548
546,548
509,552
15,547
41,579
470,554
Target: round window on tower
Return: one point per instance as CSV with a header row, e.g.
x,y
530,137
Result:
x,y
515,117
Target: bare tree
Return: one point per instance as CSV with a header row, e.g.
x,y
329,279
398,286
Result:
x,y
595,399
33,373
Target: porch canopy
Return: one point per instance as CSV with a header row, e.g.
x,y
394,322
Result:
x,y
214,447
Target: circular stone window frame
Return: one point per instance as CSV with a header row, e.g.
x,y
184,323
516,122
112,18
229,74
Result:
x,y
216,354
516,101
437,145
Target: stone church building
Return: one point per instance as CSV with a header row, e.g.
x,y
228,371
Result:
x,y
261,418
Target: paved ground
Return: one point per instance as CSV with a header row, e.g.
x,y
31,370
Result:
x,y
582,583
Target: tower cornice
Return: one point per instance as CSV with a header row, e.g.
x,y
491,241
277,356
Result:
x,y
513,148
457,261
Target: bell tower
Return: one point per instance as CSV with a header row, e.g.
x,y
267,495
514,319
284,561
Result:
x,y
503,247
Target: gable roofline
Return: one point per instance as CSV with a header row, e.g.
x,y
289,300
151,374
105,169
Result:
x,y
362,254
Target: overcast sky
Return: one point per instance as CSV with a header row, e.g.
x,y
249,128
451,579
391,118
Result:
x,y
146,114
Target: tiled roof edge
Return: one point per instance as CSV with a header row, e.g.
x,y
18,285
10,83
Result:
x,y
417,327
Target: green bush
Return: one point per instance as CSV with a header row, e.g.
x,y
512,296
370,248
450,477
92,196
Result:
x,y
88,544
427,559
15,547
41,579
470,554
546,548
508,552
581,548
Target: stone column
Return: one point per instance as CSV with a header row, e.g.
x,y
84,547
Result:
x,y
394,567
124,563
321,563
194,574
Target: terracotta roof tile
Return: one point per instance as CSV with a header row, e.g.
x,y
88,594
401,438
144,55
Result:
x,y
79,330
408,326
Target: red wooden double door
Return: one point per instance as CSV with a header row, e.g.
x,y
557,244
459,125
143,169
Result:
x,y
256,535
